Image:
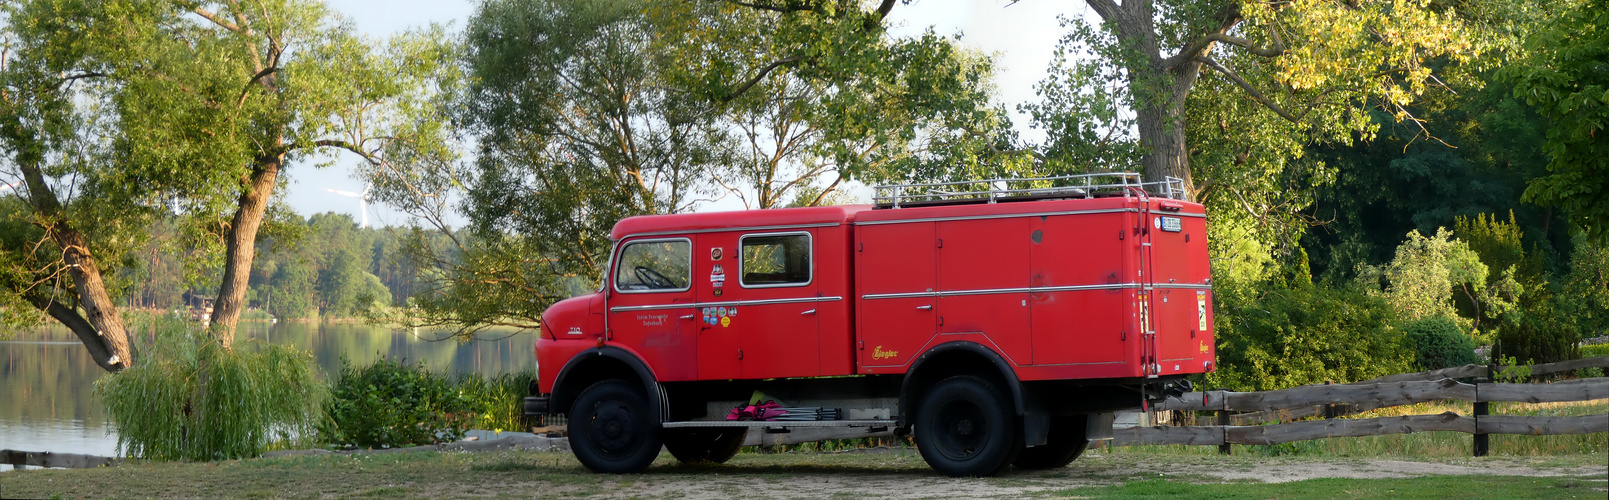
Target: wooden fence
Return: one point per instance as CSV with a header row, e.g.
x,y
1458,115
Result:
x,y
1336,400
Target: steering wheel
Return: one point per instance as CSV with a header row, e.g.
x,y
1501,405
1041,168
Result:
x,y
652,278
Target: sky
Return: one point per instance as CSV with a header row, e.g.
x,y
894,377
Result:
x,y
1021,36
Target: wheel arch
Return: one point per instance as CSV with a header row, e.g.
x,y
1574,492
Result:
x,y
595,365
957,358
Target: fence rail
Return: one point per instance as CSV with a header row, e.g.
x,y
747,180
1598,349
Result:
x,y
1395,390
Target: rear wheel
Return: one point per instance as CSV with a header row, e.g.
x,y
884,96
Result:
x,y
965,427
1064,444
703,445
612,430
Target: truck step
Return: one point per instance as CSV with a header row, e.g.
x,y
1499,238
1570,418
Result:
x,y
777,424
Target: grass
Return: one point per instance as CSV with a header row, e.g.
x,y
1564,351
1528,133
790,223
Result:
x,y
1422,487
882,473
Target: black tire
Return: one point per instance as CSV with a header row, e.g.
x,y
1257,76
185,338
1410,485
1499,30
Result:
x,y
1066,441
965,427
612,429
693,446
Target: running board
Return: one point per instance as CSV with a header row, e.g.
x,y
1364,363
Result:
x,y
777,425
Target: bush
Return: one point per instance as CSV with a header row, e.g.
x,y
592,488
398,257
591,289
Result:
x,y
1286,337
1588,351
390,404
1539,335
497,401
188,398
1439,343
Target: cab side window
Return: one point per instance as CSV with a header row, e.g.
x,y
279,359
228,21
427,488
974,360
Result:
x,y
654,266
776,260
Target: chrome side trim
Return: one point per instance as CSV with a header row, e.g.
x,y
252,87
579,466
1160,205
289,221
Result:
x,y
728,303
733,229
1032,289
1194,286
998,216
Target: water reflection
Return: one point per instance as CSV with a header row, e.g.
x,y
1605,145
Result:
x,y
49,376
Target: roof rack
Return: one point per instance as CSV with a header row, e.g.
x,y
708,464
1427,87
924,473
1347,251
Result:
x,y
1036,188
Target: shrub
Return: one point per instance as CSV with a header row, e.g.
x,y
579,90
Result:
x,y
1539,335
186,398
1285,337
1439,343
497,401
391,404
1588,351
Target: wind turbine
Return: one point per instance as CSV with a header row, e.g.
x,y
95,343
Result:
x,y
363,201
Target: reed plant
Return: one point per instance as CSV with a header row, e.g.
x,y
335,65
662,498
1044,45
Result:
x,y
498,400
187,398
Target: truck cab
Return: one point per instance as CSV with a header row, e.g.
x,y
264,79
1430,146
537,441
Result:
x,y
1000,321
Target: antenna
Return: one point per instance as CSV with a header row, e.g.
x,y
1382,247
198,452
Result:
x,y
363,201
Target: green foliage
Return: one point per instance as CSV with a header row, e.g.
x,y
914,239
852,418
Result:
x,y
498,402
1563,78
392,404
1543,334
1285,337
1419,281
1584,295
1511,371
1593,350
186,398
1439,343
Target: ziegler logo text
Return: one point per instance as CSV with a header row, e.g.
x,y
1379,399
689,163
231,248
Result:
x,y
879,353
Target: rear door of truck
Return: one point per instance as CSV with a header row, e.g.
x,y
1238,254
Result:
x,y
1179,297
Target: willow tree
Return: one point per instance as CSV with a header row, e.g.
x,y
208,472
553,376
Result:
x,y
206,104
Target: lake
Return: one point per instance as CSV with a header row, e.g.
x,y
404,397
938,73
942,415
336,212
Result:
x,y
49,376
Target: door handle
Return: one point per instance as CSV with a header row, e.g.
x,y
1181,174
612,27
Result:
x,y
812,311
687,317
925,308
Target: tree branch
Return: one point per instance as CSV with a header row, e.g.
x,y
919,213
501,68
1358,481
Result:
x,y
1107,9
761,76
1255,94
208,15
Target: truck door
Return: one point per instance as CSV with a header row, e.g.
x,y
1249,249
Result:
x,y
1178,299
774,301
719,327
895,265
651,304
1080,302
983,282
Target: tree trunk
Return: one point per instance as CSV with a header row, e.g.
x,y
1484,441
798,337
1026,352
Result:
x,y
1162,136
100,327
1158,92
241,247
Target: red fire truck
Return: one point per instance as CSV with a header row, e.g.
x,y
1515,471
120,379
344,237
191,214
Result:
x,y
1002,322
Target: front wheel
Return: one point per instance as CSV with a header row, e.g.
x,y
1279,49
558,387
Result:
x,y
612,430
1064,444
965,427
703,445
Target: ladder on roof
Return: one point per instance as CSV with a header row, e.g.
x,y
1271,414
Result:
x,y
1035,188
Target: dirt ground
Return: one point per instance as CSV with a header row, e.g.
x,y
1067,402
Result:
x,y
901,474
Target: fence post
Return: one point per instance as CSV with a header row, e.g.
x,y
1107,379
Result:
x,y
1481,444
1223,421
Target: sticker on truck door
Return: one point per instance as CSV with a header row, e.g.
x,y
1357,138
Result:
x,y
1201,309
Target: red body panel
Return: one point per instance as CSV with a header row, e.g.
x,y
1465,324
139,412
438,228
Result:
x,y
1062,289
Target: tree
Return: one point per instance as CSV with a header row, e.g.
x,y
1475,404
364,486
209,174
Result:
x,y
1565,80
587,112
206,102
1316,64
